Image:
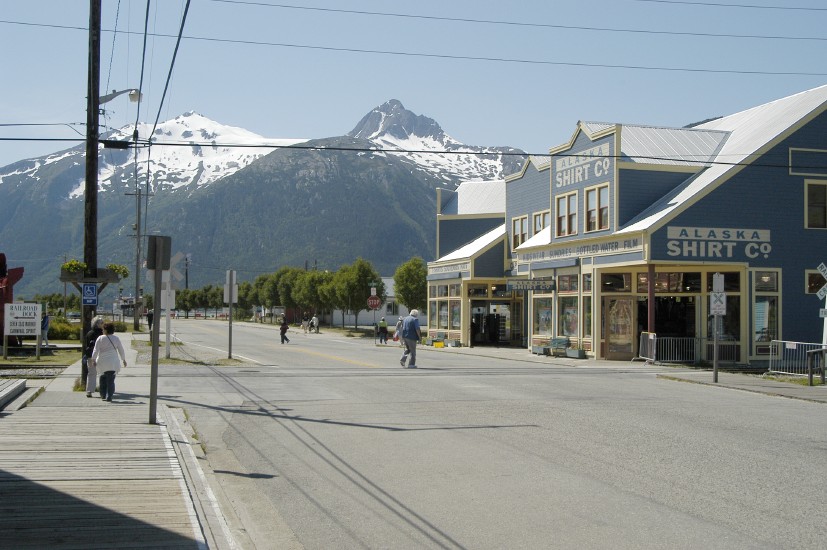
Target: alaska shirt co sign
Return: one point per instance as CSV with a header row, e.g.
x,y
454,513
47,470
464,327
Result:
x,y
536,286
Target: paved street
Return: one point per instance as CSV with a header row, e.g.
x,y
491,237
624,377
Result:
x,y
327,443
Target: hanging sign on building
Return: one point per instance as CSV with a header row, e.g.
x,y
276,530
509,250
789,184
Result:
x,y
534,284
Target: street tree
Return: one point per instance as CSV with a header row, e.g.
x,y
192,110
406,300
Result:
x,y
411,284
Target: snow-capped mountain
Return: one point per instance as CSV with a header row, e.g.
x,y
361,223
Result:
x,y
230,197
392,127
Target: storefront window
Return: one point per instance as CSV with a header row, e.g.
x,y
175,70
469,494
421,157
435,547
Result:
x,y
542,317
454,306
767,281
442,290
432,291
567,283
443,315
587,316
432,313
670,282
732,282
454,290
766,318
616,282
478,290
587,282
568,316
500,291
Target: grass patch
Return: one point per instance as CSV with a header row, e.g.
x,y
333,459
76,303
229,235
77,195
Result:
x,y
52,357
798,380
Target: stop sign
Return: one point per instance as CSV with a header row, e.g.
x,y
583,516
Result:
x,y
374,302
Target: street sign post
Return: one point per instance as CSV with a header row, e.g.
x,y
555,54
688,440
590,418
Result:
x,y
90,294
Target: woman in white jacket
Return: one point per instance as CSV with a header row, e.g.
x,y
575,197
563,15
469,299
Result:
x,y
107,357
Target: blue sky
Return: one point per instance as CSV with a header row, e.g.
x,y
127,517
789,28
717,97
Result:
x,y
518,73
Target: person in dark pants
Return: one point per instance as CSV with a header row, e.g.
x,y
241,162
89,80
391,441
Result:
x,y
89,371
150,315
107,358
283,330
474,331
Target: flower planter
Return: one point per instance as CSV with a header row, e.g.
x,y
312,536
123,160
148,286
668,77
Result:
x,y
575,353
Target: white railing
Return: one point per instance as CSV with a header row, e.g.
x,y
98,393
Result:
x,y
788,357
647,350
685,349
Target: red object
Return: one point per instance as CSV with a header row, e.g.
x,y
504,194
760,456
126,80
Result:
x,y
7,279
374,302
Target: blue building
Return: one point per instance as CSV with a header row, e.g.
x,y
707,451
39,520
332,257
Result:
x,y
631,230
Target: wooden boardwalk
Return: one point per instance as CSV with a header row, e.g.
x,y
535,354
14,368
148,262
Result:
x,y
81,473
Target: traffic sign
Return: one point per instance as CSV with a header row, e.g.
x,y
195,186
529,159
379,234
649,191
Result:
x,y
90,294
717,303
374,302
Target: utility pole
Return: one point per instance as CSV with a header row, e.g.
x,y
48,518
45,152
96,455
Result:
x,y
90,231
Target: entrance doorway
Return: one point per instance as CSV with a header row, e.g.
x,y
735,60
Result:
x,y
619,333
491,323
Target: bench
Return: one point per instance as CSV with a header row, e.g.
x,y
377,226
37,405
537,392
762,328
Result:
x,y
558,345
9,390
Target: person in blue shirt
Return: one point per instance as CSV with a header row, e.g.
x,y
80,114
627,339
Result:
x,y
411,334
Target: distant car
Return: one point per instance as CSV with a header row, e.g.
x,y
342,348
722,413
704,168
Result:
x,y
73,315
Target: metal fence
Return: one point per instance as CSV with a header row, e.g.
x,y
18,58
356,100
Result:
x,y
680,349
788,357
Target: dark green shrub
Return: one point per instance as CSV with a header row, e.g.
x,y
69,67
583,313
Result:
x,y
63,330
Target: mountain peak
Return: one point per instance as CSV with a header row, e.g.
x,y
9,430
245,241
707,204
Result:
x,y
394,120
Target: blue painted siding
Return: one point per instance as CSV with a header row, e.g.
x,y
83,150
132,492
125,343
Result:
x,y
570,174
490,263
638,189
766,198
526,196
457,232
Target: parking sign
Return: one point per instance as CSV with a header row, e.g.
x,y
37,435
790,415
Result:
x,y
90,294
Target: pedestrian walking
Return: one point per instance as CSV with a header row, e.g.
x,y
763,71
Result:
x,y
150,315
107,358
283,330
44,329
305,322
411,334
89,346
315,323
383,331
397,333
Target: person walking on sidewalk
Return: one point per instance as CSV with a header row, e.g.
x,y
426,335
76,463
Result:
x,y
283,330
383,331
44,329
89,346
397,334
107,357
411,334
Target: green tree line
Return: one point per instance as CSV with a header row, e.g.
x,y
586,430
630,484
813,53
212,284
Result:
x,y
299,291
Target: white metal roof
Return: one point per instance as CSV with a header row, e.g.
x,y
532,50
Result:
x,y
477,197
477,245
543,238
750,133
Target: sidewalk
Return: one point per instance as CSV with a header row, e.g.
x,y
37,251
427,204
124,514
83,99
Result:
x,y
78,472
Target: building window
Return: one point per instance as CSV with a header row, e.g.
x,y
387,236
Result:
x,y
542,317
567,283
567,325
816,208
765,309
541,221
587,316
814,282
597,208
670,282
616,282
567,215
732,281
519,231
587,282
454,290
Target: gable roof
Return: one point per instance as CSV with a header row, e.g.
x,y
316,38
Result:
x,y
477,197
476,246
750,133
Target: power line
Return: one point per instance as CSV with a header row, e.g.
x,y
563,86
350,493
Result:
x,y
726,5
467,57
525,23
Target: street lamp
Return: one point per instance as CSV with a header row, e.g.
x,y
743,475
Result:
x,y
134,96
